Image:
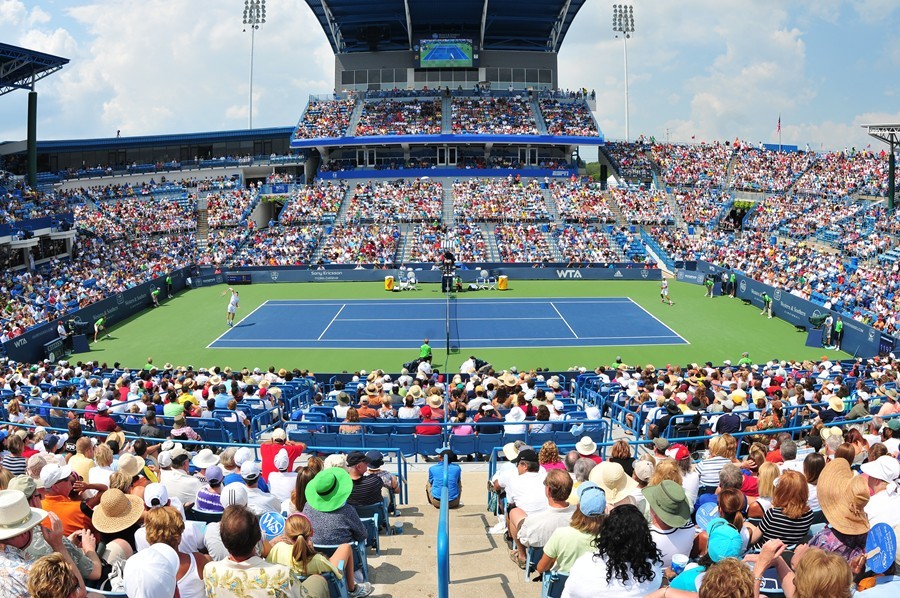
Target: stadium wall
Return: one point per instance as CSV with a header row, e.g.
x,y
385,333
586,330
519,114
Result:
x,y
409,173
29,347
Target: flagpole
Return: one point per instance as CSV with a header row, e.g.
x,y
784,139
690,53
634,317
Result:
x,y
779,132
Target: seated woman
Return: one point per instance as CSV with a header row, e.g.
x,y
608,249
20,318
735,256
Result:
x,y
626,562
789,517
351,424
567,544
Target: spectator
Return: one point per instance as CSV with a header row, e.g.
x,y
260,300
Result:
x,y
209,497
165,525
536,529
435,486
334,520
240,534
626,560
670,527
258,501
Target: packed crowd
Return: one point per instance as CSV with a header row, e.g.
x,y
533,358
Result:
x,y
221,245
631,160
584,245
701,165
580,201
228,208
325,119
841,173
768,170
492,116
313,203
428,242
278,246
486,200
392,117
126,217
413,201
19,202
700,206
568,118
797,217
641,206
523,243
360,244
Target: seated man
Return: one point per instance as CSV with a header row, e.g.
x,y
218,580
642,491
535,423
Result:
x,y
435,486
536,529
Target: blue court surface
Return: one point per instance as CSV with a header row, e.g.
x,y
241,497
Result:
x,y
473,323
446,52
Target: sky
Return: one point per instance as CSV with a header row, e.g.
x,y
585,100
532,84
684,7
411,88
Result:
x,y
700,70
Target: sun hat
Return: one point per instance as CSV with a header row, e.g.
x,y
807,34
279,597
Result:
x,y
205,458
23,483
234,494
515,415
591,499
117,511
508,379
435,401
836,404
826,433
371,389
415,391
179,421
329,489
16,515
661,444
586,447
155,495
250,470
281,460
511,450
669,502
724,540
53,473
278,434
151,572
843,496
614,481
131,465
643,470
884,468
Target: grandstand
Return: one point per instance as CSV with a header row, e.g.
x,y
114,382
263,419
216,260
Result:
x,y
448,131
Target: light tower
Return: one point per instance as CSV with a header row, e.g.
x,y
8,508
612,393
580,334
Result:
x,y
254,16
623,22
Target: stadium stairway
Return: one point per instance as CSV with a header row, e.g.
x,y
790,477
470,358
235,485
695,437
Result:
x,y
447,206
551,205
676,211
354,118
614,208
345,206
446,117
479,562
538,116
487,230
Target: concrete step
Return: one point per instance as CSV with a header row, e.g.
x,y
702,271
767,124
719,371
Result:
x,y
479,564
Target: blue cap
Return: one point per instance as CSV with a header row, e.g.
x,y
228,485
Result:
x,y
724,540
591,499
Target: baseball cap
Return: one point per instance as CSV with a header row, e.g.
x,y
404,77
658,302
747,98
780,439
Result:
x,y
375,458
724,541
250,470
279,434
526,455
356,457
643,470
53,473
678,452
281,460
591,499
214,475
234,494
155,495
243,454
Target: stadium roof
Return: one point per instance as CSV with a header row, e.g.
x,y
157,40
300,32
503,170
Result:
x,y
20,68
384,25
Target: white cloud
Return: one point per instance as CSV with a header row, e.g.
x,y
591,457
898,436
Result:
x,y
11,12
38,16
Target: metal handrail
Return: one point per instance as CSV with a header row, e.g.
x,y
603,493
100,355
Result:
x,y
443,535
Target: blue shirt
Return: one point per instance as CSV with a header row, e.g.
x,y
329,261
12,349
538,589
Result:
x,y
236,477
436,479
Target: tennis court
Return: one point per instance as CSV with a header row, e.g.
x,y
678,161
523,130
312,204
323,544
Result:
x,y
446,52
469,323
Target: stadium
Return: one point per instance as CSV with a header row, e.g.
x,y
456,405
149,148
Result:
x,y
471,340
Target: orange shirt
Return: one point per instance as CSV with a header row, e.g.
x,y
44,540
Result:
x,y
69,511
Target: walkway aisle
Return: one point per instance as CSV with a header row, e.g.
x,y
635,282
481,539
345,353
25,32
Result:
x,y
479,565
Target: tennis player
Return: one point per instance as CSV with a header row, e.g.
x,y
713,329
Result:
x,y
232,307
664,292
99,325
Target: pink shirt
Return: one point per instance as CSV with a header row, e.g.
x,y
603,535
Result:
x,y
557,465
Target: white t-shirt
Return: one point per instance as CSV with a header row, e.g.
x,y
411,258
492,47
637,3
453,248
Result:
x,y
884,507
587,579
281,484
505,472
527,491
673,541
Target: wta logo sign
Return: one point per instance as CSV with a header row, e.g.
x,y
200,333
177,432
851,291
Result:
x,y
568,274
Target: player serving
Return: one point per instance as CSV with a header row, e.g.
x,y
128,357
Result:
x,y
232,307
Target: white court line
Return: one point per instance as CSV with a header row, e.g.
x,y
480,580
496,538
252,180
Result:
x,y
331,322
378,302
661,323
441,319
563,319
411,340
227,330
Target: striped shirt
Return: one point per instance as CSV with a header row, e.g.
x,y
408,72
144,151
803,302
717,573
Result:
x,y
776,524
16,465
709,470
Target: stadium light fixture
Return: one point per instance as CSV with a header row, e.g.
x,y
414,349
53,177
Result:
x,y
254,16
623,23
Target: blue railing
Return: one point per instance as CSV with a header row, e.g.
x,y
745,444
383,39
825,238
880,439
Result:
x,y
443,535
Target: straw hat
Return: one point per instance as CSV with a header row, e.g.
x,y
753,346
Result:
x,y
836,404
586,446
205,458
614,481
826,433
16,516
435,401
117,511
371,389
131,465
508,379
415,391
843,497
